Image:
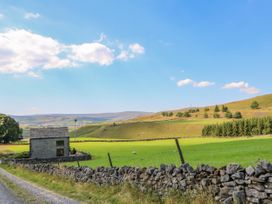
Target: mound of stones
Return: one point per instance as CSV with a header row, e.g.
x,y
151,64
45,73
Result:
x,y
229,184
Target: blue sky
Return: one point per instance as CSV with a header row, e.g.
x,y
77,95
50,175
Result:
x,y
109,56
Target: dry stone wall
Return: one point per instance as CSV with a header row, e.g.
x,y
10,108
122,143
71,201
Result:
x,y
229,184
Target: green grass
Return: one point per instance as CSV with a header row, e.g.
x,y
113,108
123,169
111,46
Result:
x,y
90,193
152,129
213,151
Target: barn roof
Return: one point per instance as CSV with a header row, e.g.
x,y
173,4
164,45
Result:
x,y
49,132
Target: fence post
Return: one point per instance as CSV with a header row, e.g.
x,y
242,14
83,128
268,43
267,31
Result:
x,y
179,151
109,157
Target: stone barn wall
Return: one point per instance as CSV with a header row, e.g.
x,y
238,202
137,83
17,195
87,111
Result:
x,y
44,142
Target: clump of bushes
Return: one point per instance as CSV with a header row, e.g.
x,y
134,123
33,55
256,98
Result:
x,y
73,151
185,114
167,114
245,127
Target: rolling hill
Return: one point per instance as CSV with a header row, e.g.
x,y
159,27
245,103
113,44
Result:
x,y
68,119
158,126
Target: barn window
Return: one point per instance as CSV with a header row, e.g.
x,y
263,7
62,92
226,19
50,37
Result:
x,y
60,152
60,143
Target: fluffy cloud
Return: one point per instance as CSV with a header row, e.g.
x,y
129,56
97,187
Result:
x,y
200,84
185,82
24,52
92,53
30,15
242,86
136,48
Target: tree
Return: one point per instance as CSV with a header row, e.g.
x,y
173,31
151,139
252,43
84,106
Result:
x,y
164,114
237,115
228,114
9,129
206,115
225,108
255,105
170,114
206,109
216,109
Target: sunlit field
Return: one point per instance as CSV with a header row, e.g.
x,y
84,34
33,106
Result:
x,y
213,151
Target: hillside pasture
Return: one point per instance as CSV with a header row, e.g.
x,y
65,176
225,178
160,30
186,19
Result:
x,y
151,129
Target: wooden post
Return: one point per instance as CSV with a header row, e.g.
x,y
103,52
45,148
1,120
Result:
x,y
180,152
109,157
78,164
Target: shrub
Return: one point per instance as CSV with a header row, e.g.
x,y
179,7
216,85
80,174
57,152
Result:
x,y
207,109
179,114
73,151
206,115
254,105
237,115
187,114
228,114
167,114
225,108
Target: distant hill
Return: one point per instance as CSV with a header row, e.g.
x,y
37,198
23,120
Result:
x,y
243,106
157,126
68,119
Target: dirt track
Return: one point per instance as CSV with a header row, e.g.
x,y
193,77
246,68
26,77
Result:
x,y
7,197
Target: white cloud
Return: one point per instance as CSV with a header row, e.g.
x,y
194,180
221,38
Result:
x,y
203,84
30,15
200,84
92,53
185,82
131,52
242,86
24,52
136,48
1,16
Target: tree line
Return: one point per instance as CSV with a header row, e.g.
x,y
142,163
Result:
x,y
244,127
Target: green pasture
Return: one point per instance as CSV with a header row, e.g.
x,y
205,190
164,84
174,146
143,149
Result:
x,y
213,151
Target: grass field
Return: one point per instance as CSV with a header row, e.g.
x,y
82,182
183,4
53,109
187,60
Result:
x,y
213,151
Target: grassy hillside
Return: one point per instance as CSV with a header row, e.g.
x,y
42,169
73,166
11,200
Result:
x,y
149,129
243,106
157,126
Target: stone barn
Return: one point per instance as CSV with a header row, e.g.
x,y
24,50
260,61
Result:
x,y
49,142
